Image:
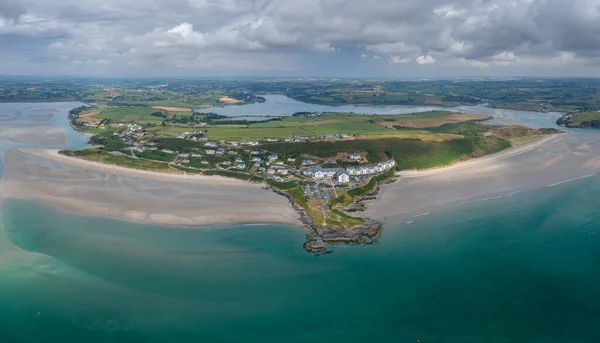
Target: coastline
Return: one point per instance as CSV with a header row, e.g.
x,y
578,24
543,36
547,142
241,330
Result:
x,y
510,152
94,189
550,161
53,154
219,200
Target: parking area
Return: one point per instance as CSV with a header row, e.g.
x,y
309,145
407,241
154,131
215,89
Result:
x,y
315,192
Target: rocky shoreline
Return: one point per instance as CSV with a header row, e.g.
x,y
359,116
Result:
x,y
318,238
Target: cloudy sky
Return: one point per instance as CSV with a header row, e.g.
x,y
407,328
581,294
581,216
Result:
x,y
346,38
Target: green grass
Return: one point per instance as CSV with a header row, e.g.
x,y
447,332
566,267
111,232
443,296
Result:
x,y
330,123
156,155
337,218
584,119
139,115
284,186
299,197
359,191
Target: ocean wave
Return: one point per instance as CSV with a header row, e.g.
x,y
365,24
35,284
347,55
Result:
x,y
569,180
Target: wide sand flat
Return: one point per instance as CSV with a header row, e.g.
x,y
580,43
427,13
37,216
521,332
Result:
x,y
548,162
101,190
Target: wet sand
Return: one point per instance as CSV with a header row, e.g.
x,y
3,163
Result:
x,y
98,189
545,163
108,191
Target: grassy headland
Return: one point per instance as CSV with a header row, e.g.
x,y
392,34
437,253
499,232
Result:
x,y
279,152
580,119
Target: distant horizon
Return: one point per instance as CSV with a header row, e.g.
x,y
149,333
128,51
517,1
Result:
x,y
269,78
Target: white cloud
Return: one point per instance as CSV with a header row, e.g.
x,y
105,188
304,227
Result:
x,y
186,34
425,60
400,60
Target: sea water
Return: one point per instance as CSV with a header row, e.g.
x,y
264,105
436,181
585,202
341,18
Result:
x,y
520,268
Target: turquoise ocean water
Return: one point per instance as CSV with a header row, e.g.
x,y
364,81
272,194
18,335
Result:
x,y
518,269
523,268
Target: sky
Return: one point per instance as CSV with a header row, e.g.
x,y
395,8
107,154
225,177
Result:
x,y
300,38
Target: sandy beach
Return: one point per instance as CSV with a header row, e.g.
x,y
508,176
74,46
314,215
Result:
x,y
98,189
545,163
52,154
109,191
481,161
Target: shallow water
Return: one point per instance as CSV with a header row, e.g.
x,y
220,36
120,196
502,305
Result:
x,y
522,268
517,269
280,105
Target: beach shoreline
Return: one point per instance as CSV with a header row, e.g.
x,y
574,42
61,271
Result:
x,y
100,190
53,154
550,161
226,211
474,162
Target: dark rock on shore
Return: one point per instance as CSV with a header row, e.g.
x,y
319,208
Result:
x,y
315,245
318,238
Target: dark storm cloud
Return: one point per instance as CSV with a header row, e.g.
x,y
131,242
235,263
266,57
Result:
x,y
282,36
11,10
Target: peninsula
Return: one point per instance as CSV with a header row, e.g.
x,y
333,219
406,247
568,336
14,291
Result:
x,y
326,164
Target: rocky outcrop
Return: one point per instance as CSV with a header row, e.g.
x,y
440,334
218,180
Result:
x,y
318,238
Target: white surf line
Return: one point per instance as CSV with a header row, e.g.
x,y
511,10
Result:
x,y
569,180
421,215
410,222
482,200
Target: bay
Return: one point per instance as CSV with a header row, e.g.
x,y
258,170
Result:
x,y
518,268
504,270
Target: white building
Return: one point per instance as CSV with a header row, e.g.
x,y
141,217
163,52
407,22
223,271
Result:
x,y
369,170
343,178
355,157
319,173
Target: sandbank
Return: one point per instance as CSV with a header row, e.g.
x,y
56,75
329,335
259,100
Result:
x,y
95,189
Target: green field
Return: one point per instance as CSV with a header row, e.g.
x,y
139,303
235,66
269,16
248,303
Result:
x,y
139,115
581,119
409,153
329,123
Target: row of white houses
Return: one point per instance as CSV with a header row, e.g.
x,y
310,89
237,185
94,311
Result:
x,y
320,173
343,175
369,170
